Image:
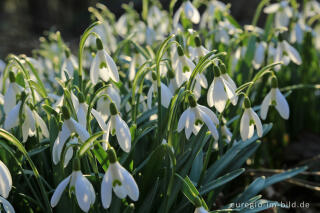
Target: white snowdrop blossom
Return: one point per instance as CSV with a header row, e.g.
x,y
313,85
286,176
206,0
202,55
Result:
x,y
221,90
249,119
31,118
276,99
69,64
193,118
189,11
5,187
199,51
103,104
118,127
82,188
103,66
166,94
10,96
119,180
183,67
286,53
283,13
259,54
69,126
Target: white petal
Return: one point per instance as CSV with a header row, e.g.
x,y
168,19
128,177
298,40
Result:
x,y
149,97
113,70
210,95
9,99
94,70
292,52
58,192
82,132
5,180
68,157
12,118
42,124
123,134
182,120
166,95
231,93
265,106
211,114
244,125
130,184
272,8
257,122
106,190
191,12
219,95
206,119
8,208
83,190
190,123
200,210
82,115
97,115
282,105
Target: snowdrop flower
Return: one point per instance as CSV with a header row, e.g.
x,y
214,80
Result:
x,y
259,54
189,11
68,66
292,54
275,98
200,210
136,61
221,90
5,180
199,51
249,119
78,184
103,66
103,104
118,179
5,187
192,119
12,91
283,13
208,16
166,94
31,117
183,67
118,127
296,34
69,126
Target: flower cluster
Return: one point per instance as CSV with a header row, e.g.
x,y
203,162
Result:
x,y
140,82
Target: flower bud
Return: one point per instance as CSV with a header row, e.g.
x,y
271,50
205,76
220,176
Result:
x,y
197,41
81,97
12,77
112,155
76,165
113,108
99,44
223,68
274,82
247,103
192,101
65,113
67,52
216,71
154,76
180,51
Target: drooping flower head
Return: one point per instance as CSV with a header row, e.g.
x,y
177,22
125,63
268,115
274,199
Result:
x,y
276,99
118,179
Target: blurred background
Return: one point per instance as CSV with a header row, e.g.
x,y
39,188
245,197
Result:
x,y
291,143
22,22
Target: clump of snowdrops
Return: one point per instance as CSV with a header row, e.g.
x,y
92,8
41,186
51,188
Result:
x,y
156,112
